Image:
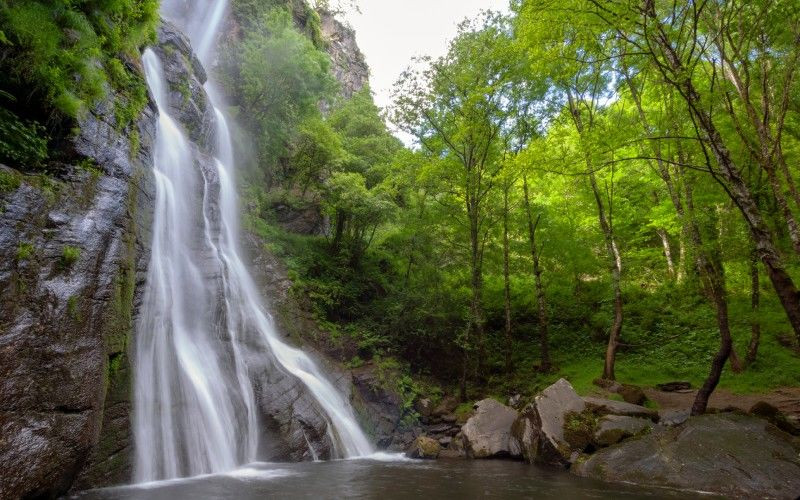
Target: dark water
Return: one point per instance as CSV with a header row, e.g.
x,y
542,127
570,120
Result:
x,y
385,480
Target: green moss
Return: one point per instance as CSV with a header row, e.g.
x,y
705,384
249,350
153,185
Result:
x,y
72,308
579,429
24,251
135,142
69,256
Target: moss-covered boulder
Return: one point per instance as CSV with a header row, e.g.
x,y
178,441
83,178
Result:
x,y
424,447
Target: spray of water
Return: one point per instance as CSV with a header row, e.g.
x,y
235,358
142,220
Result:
x,y
194,409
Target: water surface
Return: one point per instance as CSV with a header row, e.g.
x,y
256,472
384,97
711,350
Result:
x,y
386,479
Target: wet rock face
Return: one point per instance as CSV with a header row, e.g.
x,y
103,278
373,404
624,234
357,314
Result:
x,y
185,76
293,426
73,254
349,66
732,455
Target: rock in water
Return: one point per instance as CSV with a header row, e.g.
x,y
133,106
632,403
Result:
x,y
539,429
612,429
487,434
733,455
424,447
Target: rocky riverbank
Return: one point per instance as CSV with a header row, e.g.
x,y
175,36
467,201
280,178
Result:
x,y
729,453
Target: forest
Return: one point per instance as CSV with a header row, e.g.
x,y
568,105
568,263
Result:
x,y
594,189
220,256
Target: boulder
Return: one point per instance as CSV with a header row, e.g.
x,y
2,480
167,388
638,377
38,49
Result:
x,y
602,406
612,429
424,447
539,429
487,434
775,417
729,454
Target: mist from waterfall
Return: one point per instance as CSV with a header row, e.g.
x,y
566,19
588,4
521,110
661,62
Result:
x,y
195,410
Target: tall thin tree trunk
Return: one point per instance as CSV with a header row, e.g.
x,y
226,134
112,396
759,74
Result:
x,y
681,276
545,365
616,272
714,283
507,282
615,260
667,252
755,304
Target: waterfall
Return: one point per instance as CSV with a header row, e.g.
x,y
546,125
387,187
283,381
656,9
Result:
x,y
194,404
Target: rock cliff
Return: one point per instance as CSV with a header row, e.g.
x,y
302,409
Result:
x,y
73,253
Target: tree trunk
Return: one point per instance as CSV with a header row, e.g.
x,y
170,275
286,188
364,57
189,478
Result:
x,y
667,252
476,304
755,302
611,248
616,268
681,276
714,283
736,187
507,283
545,364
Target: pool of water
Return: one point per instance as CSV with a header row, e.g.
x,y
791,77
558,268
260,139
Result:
x,y
384,477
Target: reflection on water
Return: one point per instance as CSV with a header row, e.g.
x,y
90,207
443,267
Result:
x,y
384,479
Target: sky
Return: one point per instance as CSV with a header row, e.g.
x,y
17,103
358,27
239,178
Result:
x,y
390,33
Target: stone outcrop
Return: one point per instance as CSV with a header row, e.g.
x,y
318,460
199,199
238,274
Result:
x,y
74,249
349,67
728,454
539,429
424,447
487,433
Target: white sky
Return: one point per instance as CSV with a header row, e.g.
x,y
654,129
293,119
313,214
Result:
x,y
390,33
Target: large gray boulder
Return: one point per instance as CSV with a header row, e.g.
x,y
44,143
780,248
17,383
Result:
x,y
733,455
539,429
487,433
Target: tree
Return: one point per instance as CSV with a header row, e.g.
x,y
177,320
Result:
x,y
455,109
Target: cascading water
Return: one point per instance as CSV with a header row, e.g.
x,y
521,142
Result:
x,y
194,408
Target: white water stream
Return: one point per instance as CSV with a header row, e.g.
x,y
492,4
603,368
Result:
x,y
194,404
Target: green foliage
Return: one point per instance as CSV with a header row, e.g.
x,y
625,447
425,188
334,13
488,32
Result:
x,y
22,143
280,79
25,251
69,255
62,52
410,273
9,181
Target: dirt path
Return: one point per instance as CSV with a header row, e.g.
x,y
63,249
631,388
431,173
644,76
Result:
x,y
786,399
